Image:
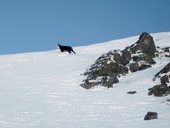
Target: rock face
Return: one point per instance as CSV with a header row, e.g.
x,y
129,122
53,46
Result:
x,y
163,88
108,67
151,115
147,45
105,70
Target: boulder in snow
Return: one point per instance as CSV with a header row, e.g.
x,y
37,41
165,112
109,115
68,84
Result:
x,y
131,92
151,115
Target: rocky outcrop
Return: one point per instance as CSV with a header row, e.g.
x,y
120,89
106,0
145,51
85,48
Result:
x,y
163,88
159,90
105,70
145,44
108,67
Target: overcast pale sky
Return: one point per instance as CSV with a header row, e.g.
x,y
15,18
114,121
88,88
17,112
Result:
x,y
37,25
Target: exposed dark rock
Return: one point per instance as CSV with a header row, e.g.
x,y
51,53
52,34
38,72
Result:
x,y
149,59
133,67
143,52
104,71
126,57
117,57
151,115
104,75
165,70
122,57
163,76
110,81
131,92
136,58
108,67
143,57
164,79
145,44
159,90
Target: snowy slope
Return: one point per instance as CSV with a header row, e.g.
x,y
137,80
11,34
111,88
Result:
x,y
41,90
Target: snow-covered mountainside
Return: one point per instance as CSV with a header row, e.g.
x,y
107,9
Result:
x,y
41,90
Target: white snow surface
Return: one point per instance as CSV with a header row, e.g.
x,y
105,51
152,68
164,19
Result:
x,y
41,90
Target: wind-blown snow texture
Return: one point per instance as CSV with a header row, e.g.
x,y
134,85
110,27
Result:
x,y
41,90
